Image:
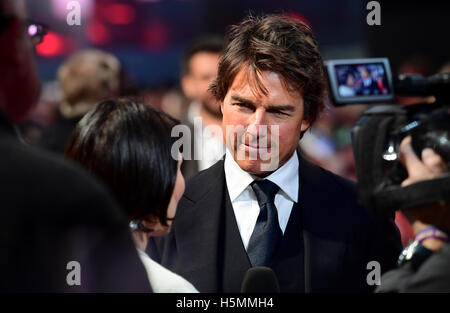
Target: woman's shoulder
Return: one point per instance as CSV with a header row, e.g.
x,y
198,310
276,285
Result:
x,y
163,280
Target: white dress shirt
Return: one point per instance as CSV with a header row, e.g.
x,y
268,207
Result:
x,y
243,199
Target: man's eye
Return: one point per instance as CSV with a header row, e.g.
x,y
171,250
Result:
x,y
242,105
279,113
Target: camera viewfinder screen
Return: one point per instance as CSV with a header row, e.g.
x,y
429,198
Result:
x,y
362,80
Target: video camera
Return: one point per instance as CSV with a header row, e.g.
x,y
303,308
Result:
x,y
377,134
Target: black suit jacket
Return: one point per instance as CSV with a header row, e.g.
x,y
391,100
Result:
x,y
53,212
329,238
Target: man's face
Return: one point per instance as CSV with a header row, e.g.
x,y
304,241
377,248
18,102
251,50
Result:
x,y
20,82
280,108
202,70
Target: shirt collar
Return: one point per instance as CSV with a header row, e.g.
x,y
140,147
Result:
x,y
286,177
236,178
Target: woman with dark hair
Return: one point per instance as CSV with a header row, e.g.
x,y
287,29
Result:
x,y
127,145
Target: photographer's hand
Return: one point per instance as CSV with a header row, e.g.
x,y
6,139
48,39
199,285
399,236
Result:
x,y
431,166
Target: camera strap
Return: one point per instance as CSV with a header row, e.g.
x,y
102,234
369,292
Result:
x,y
369,141
415,195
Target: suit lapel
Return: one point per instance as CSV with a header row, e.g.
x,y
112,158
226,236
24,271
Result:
x,y
198,235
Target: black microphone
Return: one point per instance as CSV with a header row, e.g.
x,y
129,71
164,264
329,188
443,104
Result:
x,y
260,279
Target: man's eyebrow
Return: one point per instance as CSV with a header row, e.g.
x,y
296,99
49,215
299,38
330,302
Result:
x,y
242,99
287,107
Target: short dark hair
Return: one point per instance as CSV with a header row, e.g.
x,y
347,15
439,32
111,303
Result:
x,y
278,44
127,145
207,43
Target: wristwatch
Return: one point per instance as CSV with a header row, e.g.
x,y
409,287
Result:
x,y
415,253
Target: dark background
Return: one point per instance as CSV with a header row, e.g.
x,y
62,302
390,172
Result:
x,y
149,36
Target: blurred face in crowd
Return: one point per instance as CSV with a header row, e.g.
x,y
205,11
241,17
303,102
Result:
x,y
245,106
365,74
19,82
202,70
350,80
178,190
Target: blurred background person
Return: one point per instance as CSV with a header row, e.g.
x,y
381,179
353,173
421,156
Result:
x,y
128,146
53,214
198,69
86,78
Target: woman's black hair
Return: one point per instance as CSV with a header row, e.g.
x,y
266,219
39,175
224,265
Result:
x,y
127,145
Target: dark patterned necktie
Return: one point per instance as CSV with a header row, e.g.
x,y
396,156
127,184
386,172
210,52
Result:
x,y
267,233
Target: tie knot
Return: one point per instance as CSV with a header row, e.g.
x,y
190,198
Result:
x,y
265,190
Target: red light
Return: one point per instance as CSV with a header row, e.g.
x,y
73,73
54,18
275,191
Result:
x,y
97,33
121,14
156,36
299,17
52,45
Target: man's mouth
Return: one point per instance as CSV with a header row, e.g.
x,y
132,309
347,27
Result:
x,y
256,146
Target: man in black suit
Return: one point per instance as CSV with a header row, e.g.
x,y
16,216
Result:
x,y
60,231
264,204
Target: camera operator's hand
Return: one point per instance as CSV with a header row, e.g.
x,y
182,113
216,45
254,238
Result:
x,y
431,165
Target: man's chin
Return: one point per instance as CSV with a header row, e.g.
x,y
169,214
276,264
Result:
x,y
255,167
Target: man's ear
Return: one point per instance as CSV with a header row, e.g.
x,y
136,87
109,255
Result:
x,y
305,125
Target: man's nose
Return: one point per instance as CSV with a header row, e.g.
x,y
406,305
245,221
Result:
x,y
257,119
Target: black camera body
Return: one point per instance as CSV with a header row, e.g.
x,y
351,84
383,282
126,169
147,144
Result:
x,y
377,135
